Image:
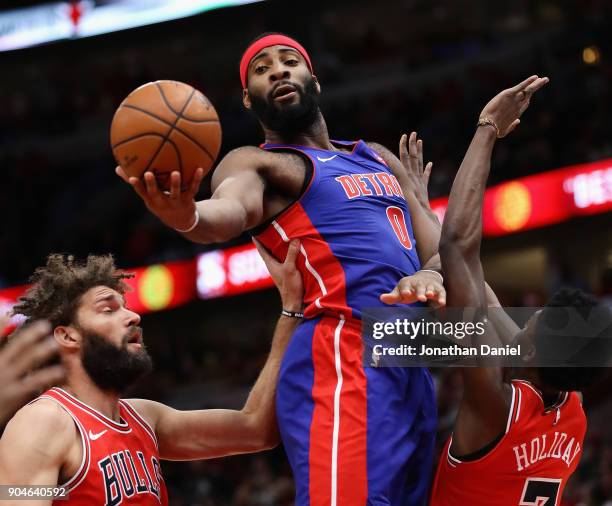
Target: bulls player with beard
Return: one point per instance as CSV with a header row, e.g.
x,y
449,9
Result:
x,y
353,435
105,450
519,432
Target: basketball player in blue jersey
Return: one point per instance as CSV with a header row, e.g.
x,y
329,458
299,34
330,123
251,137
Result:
x,y
353,435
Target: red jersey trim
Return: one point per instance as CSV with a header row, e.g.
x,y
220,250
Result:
x,y
309,266
140,420
518,405
123,428
557,405
512,405
78,477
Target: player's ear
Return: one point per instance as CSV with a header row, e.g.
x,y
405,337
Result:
x,y
246,99
67,336
317,84
528,352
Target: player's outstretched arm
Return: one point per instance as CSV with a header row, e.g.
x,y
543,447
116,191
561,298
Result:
x,y
191,435
236,204
484,409
34,447
21,376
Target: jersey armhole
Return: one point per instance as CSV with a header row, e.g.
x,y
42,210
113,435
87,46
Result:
x,y
308,179
75,480
486,450
140,420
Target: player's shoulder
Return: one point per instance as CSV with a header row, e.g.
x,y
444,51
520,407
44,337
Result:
x,y
380,149
149,411
249,161
386,154
43,422
255,156
242,160
45,412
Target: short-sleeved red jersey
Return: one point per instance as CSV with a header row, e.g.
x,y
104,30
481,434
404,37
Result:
x,y
531,463
120,463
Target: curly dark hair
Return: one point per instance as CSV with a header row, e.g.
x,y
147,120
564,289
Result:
x,y
585,349
58,286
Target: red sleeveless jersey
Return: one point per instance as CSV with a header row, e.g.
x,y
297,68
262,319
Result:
x,y
531,463
120,462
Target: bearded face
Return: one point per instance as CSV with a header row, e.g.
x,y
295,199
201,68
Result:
x,y
287,116
115,368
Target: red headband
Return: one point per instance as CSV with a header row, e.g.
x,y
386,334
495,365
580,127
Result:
x,y
269,40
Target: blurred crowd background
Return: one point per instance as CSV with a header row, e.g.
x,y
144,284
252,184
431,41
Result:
x,y
386,68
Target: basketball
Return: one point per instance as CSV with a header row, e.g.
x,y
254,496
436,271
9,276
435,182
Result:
x,y
165,126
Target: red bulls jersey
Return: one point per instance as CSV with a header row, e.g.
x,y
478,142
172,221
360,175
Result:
x,y
354,226
531,463
120,462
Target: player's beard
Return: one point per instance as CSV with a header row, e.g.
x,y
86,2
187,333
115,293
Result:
x,y
113,368
292,118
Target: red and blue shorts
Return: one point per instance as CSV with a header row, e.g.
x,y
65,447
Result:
x,y
354,435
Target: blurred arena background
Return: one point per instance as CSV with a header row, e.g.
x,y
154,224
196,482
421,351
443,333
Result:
x,y
386,67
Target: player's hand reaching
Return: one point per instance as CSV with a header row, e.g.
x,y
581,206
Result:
x,y
411,156
422,286
21,374
286,276
175,208
505,109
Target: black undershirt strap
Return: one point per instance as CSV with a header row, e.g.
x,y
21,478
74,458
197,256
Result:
x,y
478,454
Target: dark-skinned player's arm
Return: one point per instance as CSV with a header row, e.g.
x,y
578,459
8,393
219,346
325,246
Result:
x,y
191,435
505,327
411,156
485,404
423,285
235,206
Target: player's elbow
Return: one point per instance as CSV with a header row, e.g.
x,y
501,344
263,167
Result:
x,y
262,434
268,441
454,241
266,438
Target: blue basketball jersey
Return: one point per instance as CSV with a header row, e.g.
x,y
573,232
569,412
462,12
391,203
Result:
x,y
354,226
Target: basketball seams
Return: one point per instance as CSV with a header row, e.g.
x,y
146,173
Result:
x,y
178,117
174,127
169,106
165,121
148,119
178,153
138,136
206,152
165,176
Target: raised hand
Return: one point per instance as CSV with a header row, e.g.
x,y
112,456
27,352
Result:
x,y
21,374
175,208
505,109
422,286
286,276
411,156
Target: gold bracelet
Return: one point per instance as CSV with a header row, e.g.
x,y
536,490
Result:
x,y
485,120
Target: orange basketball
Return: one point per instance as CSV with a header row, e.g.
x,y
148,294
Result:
x,y
165,126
